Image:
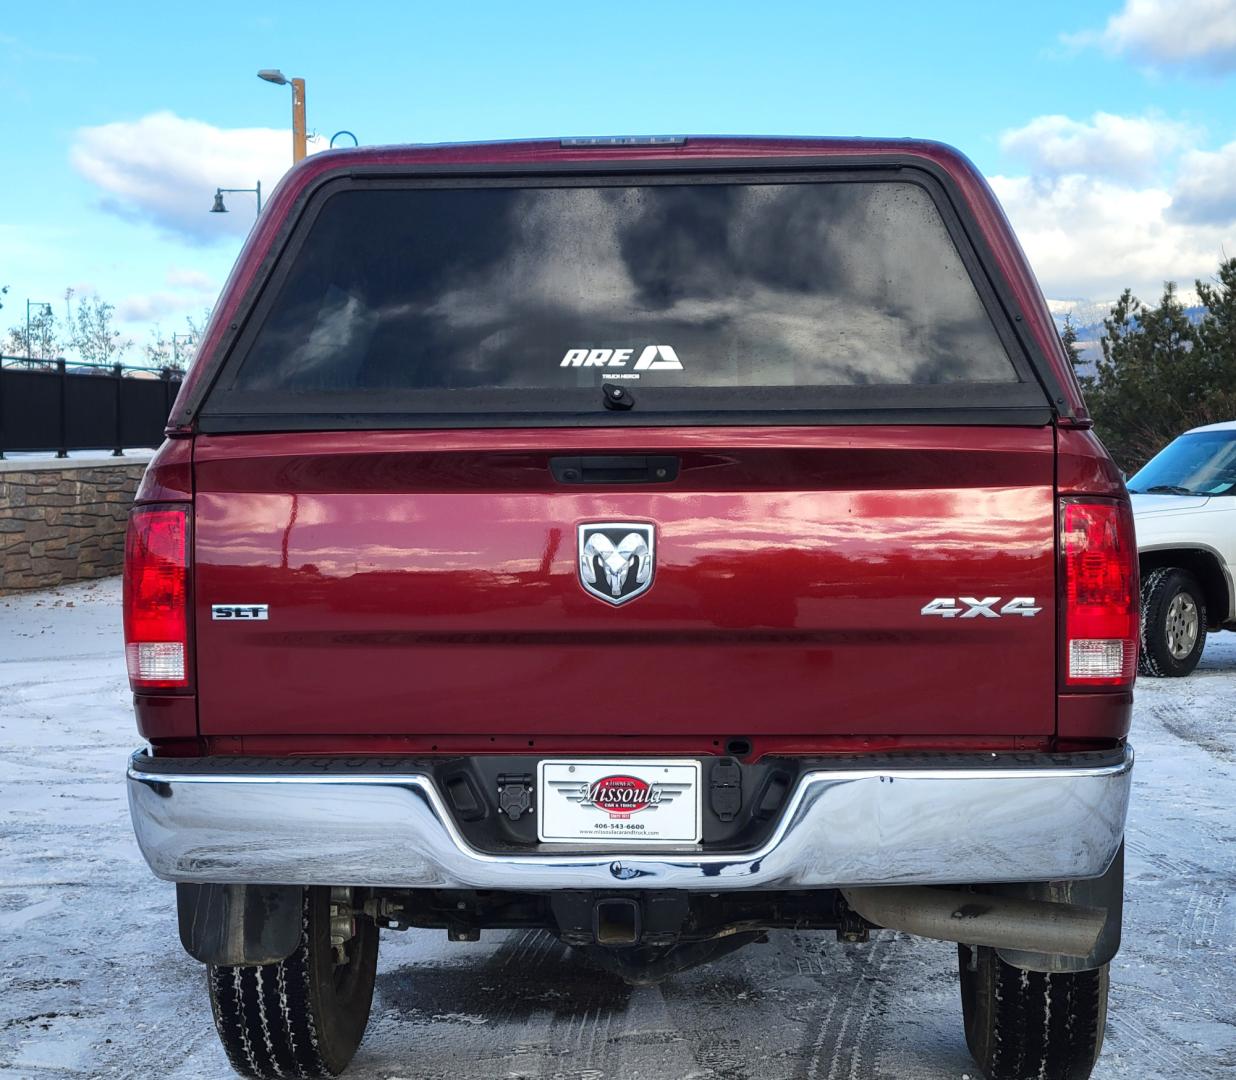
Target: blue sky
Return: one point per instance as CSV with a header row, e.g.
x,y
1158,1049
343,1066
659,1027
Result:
x,y
1108,127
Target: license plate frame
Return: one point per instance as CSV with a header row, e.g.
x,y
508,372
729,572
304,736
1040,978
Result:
x,y
666,810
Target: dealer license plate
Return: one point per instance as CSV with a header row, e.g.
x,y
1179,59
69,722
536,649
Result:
x,y
636,801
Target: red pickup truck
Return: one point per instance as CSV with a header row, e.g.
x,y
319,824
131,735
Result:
x,y
656,541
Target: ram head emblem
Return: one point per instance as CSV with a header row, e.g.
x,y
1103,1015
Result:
x,y
616,560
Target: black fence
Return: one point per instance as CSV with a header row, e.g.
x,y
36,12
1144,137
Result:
x,y
62,405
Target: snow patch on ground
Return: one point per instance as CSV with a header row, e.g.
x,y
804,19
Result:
x,y
93,981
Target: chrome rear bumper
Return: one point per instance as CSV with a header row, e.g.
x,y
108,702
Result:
x,y
848,826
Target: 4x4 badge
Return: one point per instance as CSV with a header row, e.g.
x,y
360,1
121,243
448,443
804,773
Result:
x,y
616,559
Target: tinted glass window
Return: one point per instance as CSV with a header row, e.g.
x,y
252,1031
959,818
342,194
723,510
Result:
x,y
781,285
1200,464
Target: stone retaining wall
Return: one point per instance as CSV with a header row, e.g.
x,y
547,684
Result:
x,y
63,521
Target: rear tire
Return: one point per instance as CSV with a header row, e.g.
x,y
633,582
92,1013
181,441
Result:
x,y
304,1016
1022,1024
1173,623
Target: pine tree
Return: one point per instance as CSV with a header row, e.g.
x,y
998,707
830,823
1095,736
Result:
x,y
1068,338
1152,381
1216,335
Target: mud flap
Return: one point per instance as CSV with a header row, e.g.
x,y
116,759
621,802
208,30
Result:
x,y
229,925
1101,892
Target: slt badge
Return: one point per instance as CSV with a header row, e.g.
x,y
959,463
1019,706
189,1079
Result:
x,y
616,559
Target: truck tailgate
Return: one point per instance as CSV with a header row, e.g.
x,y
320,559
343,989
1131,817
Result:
x,y
428,582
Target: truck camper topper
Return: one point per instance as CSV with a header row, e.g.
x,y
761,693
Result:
x,y
654,542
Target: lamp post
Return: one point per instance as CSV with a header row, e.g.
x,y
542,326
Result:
x,y
299,136
46,311
219,208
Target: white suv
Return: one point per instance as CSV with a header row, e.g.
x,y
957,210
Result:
x,y
1184,503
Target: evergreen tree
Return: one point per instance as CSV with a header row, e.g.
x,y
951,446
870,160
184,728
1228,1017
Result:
x,y
1216,336
1152,382
1068,338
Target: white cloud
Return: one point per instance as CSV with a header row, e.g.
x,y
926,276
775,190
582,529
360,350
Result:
x,y
164,168
1206,189
1168,33
1106,145
1090,237
1119,201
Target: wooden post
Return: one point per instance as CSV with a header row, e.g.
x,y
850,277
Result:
x,y
299,135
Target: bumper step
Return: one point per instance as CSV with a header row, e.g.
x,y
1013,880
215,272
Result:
x,y
380,823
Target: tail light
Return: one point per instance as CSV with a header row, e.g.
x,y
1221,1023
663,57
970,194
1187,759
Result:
x,y
1101,614
156,598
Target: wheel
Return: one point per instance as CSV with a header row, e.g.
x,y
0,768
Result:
x,y
305,1015
1022,1024
1173,623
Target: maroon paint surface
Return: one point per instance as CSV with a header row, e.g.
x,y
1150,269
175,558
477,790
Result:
x,y
426,582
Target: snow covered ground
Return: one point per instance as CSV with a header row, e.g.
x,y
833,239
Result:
x,y
93,981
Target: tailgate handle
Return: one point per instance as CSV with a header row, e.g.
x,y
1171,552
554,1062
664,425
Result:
x,y
614,469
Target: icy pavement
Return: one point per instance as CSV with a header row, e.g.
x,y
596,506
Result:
x,y
93,981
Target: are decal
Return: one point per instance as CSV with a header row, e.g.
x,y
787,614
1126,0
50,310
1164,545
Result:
x,y
650,358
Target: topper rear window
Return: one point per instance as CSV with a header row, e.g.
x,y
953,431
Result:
x,y
783,294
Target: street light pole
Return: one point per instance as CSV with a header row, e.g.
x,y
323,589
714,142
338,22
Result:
x,y
219,208
46,310
299,132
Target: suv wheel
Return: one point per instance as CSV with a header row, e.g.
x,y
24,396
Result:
x,y
305,1015
1030,1023
1173,623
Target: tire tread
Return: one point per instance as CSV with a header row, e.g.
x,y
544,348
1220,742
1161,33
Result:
x,y
268,1018
1031,1024
1158,588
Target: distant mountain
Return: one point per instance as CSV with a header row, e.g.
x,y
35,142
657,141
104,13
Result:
x,y
1088,316
1083,312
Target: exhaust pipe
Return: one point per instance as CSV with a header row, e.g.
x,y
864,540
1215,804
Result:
x,y
1000,922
